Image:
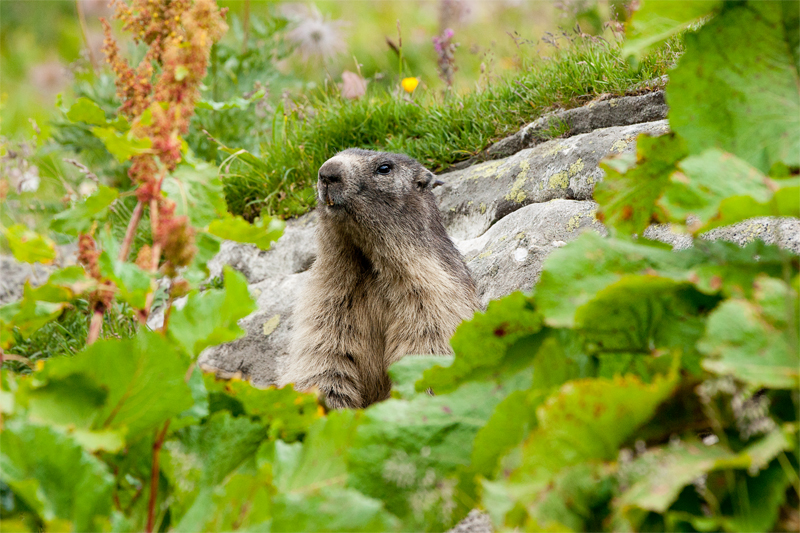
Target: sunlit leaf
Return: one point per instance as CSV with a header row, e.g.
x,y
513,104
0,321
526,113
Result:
x,y
54,476
210,318
28,246
84,110
80,217
261,233
735,87
123,146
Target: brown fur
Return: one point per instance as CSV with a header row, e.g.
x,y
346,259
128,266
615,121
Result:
x,y
387,281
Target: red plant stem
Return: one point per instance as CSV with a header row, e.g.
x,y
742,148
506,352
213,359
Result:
x,y
136,217
94,326
167,313
151,504
156,255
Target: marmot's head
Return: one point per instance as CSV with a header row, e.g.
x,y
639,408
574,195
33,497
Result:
x,y
357,181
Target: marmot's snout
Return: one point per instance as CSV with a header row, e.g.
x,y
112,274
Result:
x,y
331,182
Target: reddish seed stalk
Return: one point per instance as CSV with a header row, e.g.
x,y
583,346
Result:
x,y
136,217
95,326
167,313
156,255
151,504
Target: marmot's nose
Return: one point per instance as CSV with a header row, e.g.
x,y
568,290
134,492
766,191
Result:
x,y
331,172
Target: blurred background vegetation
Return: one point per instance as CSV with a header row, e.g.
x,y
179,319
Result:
x,y
291,83
43,50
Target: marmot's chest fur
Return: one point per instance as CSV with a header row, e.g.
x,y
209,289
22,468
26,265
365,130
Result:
x,y
387,281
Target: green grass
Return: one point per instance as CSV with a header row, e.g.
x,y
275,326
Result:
x,y
438,131
67,335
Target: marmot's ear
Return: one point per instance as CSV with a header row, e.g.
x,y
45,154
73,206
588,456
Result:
x,y
427,180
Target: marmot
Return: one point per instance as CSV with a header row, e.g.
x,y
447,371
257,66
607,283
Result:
x,y
387,281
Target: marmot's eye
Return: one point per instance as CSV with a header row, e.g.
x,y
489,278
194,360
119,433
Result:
x,y
384,169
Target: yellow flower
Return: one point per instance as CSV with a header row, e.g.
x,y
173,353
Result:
x,y
409,84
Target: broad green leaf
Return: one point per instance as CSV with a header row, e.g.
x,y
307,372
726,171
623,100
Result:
x,y
72,278
512,420
286,413
408,370
134,385
197,192
575,274
707,180
122,146
200,409
199,457
54,476
629,192
28,246
570,502
331,509
133,283
735,87
210,318
409,453
27,315
85,110
662,472
560,359
784,203
641,318
755,340
657,20
261,233
655,479
242,502
493,344
586,421
589,419
766,493
321,461
80,217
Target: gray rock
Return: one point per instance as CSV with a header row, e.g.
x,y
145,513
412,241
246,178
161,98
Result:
x,y
475,522
472,200
509,257
294,252
622,111
785,232
14,274
261,354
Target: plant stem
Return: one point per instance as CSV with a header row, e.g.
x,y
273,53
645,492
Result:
x,y
95,326
136,217
151,504
167,313
246,24
85,33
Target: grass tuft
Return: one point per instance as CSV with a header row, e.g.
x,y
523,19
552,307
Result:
x,y
437,130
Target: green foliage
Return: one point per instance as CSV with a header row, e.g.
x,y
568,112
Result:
x,y
261,232
637,388
209,318
437,132
29,247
